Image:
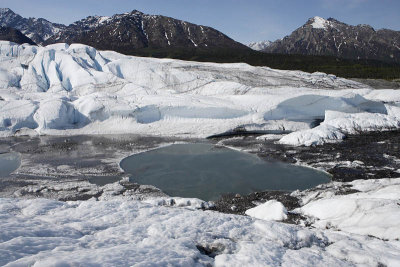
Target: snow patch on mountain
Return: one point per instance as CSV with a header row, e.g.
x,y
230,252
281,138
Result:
x,y
320,23
91,22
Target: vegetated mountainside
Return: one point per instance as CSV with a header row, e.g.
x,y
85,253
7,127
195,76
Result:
x,y
334,38
134,30
13,35
37,29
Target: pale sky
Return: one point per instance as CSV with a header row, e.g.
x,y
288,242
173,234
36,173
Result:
x,y
243,20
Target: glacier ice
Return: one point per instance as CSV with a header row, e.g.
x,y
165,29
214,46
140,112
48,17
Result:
x,y
271,210
76,89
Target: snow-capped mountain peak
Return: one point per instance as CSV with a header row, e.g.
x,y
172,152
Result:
x,y
4,10
330,37
259,46
8,16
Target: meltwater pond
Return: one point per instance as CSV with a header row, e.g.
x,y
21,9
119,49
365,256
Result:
x,y
9,162
206,171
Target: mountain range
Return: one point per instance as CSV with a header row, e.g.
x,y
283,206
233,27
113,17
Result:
x,y
122,32
133,31
330,37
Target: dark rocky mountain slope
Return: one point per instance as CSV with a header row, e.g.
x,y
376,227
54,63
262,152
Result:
x,y
125,33
135,30
13,35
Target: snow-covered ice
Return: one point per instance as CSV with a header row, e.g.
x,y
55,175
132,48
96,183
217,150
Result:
x,y
337,124
374,210
271,210
75,89
124,231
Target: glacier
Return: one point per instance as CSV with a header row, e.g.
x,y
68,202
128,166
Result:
x,y
73,89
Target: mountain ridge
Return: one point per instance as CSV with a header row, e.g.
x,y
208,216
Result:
x,y
37,29
136,30
330,37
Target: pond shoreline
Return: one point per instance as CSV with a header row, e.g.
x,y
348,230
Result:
x,y
372,155
107,152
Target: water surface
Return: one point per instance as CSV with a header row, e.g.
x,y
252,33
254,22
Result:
x,y
206,171
9,162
